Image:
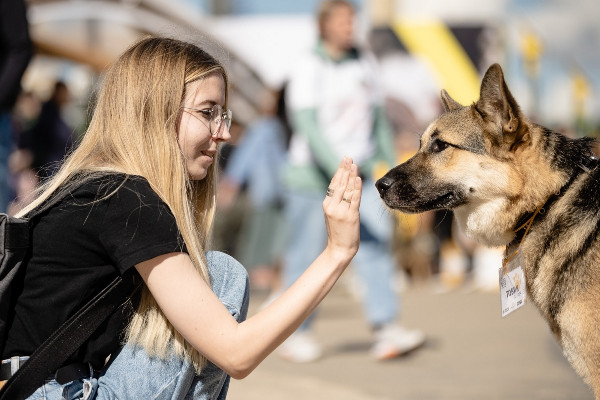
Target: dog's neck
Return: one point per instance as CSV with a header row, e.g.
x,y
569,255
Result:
x,y
587,163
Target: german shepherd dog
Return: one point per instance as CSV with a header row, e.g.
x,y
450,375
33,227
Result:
x,y
498,171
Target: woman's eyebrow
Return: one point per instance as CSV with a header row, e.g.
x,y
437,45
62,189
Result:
x,y
207,102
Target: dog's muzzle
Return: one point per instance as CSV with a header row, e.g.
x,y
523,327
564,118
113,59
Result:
x,y
383,185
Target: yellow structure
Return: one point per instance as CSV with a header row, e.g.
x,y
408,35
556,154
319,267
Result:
x,y
434,42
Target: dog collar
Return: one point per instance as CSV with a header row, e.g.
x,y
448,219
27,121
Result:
x,y
525,226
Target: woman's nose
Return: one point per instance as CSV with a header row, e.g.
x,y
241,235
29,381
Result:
x,y
223,135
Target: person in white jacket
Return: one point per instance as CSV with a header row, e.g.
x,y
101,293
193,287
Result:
x,y
336,108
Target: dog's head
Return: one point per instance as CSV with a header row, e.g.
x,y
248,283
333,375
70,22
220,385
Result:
x,y
470,160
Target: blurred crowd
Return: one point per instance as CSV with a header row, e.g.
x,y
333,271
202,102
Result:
x,y
260,213
252,224
41,139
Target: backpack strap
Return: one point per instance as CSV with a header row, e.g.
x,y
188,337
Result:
x,y
14,247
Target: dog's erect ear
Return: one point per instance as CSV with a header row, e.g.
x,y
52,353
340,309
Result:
x,y
496,103
448,102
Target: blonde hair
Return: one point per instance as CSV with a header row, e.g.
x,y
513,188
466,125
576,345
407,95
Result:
x,y
134,131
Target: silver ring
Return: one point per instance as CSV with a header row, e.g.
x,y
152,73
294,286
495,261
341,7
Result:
x,y
329,192
346,200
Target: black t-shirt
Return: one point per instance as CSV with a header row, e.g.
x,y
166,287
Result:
x,y
101,229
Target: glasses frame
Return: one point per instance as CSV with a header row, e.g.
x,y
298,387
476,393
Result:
x,y
215,116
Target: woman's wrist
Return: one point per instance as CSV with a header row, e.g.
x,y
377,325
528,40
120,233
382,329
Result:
x,y
338,257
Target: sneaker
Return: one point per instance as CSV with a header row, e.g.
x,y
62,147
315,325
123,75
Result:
x,y
393,341
300,347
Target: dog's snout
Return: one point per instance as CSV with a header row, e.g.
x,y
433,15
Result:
x,y
383,185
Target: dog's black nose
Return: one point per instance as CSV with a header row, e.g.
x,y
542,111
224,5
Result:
x,y
383,185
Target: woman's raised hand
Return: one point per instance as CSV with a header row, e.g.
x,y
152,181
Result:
x,y
340,206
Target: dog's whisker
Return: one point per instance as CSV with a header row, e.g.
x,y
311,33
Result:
x,y
446,212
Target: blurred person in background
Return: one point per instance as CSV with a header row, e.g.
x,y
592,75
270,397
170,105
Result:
x,y
50,137
227,231
16,50
43,138
336,108
255,165
25,115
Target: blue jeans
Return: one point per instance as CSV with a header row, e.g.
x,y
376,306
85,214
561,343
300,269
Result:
x,y
374,262
132,374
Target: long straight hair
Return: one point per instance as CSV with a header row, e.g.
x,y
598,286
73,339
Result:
x,y
133,130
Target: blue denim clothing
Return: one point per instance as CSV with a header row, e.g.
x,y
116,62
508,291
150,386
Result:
x,y
257,161
132,374
373,263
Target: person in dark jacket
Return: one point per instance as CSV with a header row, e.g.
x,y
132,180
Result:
x,y
51,136
15,52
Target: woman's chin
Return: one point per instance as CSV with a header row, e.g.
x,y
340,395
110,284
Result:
x,y
198,174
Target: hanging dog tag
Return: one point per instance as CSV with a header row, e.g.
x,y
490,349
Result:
x,y
512,286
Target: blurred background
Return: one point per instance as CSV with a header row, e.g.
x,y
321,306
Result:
x,y
549,51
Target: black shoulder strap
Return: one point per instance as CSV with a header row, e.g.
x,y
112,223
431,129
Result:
x,y
64,342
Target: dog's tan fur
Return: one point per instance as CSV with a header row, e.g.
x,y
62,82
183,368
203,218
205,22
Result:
x,y
494,168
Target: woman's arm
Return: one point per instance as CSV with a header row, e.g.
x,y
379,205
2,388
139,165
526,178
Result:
x,y
196,312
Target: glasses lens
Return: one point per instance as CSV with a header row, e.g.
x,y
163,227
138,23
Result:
x,y
227,116
217,117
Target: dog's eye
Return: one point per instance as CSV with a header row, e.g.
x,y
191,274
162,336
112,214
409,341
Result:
x,y
438,146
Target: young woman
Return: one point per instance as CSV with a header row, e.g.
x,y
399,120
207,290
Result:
x,y
139,198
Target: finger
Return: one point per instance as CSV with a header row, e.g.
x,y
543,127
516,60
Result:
x,y
336,178
351,183
342,183
356,193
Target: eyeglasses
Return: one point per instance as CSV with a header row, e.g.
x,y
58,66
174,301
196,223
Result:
x,y
215,116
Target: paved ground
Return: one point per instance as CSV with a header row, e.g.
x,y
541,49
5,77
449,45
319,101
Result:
x,y
472,353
